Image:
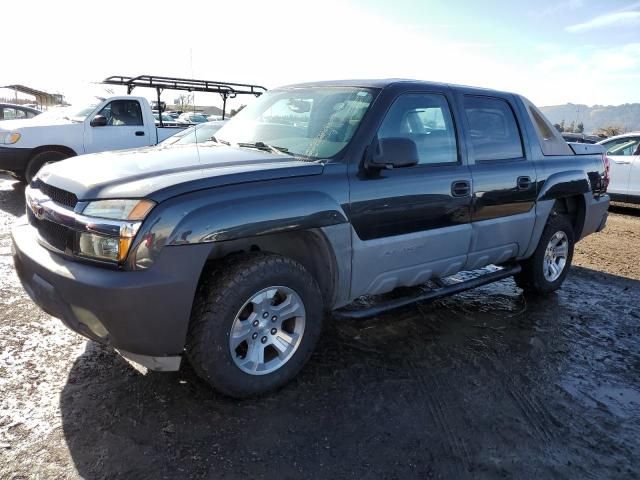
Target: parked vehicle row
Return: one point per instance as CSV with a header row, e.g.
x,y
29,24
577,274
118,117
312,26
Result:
x,y
580,137
167,120
231,251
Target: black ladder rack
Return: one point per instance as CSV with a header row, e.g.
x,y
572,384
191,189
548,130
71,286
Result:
x,y
225,89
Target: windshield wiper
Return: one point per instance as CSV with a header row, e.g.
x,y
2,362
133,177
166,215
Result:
x,y
214,139
264,146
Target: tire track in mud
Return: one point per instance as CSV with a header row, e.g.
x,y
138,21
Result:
x,y
532,411
440,414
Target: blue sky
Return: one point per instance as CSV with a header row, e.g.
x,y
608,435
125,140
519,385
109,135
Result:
x,y
580,51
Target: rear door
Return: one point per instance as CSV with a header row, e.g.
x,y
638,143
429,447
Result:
x,y
621,152
504,179
411,224
124,129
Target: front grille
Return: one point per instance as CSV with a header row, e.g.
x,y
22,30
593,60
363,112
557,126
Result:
x,y
57,236
56,194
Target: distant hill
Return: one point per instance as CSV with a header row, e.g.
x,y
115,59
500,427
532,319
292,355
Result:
x,y
598,116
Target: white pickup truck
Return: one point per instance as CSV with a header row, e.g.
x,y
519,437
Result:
x,y
115,123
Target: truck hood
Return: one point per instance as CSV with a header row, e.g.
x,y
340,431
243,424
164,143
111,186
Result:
x,y
162,172
29,123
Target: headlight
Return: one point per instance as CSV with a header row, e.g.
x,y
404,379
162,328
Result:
x,y
9,138
129,214
119,209
99,246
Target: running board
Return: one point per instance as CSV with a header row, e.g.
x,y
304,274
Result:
x,y
444,291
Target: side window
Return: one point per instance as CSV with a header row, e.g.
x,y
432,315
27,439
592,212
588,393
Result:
x,y
30,114
425,119
550,140
623,146
493,129
10,113
122,113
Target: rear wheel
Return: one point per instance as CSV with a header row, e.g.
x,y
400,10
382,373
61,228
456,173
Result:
x,y
255,323
41,159
547,268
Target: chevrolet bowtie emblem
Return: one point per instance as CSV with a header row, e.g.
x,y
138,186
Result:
x,y
37,209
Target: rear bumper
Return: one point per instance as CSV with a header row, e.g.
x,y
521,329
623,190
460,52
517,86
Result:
x,y
144,314
14,160
596,214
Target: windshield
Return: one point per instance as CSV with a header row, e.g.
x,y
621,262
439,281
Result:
x,y
311,122
80,113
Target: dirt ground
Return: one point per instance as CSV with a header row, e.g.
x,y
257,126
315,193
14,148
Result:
x,y
487,384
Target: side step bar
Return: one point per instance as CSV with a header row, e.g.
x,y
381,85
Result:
x,y
445,291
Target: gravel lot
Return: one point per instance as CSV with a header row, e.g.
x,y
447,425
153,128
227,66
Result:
x,y
487,384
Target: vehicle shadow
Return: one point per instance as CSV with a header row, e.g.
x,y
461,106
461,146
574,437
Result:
x,y
11,196
477,385
625,209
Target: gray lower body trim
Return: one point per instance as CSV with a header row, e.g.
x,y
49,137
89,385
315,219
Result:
x,y
596,212
157,364
382,264
543,210
339,237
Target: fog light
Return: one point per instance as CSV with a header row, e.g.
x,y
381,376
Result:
x,y
89,319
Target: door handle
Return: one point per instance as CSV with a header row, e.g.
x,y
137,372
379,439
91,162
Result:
x,y
524,183
461,188
622,162
139,133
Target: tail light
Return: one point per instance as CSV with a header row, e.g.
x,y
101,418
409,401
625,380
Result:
x,y
607,171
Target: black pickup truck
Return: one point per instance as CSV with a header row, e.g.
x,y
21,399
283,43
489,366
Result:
x,y
231,252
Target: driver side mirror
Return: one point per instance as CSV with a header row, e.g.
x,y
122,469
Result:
x,y
392,152
99,121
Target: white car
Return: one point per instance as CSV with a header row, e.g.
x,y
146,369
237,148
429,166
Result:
x,y
624,155
114,123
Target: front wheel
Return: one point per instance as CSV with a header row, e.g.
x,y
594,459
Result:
x,y
255,322
41,159
547,268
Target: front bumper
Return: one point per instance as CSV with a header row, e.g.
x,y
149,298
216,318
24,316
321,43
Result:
x,y
144,314
14,160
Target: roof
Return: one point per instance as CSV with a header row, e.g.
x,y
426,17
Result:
x,y
32,91
386,82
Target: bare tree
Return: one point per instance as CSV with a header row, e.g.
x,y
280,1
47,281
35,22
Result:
x,y
183,102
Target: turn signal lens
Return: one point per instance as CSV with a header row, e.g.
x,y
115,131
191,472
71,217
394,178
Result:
x,y
10,138
141,210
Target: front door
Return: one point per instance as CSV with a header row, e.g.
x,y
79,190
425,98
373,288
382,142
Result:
x,y
634,177
124,128
412,224
504,181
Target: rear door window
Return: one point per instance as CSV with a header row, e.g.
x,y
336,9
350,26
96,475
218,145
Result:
x,y
493,129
